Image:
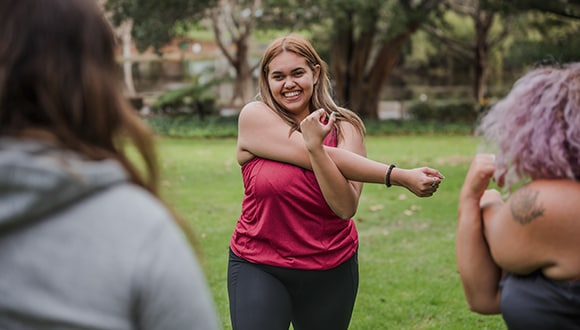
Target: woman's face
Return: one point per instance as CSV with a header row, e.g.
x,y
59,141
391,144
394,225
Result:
x,y
291,83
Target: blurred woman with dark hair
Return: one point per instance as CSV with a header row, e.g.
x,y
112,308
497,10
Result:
x,y
85,241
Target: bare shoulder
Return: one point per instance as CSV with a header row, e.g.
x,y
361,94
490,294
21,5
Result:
x,y
351,138
257,113
348,128
546,199
248,124
539,227
526,205
255,107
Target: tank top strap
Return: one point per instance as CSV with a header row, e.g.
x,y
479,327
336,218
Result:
x,y
331,139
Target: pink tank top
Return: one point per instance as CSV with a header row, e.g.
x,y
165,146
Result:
x,y
285,220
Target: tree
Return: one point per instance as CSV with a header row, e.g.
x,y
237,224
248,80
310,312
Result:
x,y
123,31
477,50
154,21
562,8
485,15
147,23
233,22
367,37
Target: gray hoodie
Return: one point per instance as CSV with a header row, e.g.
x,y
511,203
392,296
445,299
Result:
x,y
82,248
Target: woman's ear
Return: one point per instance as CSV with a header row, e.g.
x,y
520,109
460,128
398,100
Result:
x,y
316,73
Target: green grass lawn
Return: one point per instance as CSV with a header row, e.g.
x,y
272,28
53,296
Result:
x,y
408,274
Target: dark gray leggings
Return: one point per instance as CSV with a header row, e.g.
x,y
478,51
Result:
x,y
269,298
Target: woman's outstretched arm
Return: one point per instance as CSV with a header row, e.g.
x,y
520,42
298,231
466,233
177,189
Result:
x,y
262,133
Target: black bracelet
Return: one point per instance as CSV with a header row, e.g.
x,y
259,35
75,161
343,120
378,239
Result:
x,y
388,175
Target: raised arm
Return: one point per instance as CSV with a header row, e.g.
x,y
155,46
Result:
x,y
341,194
479,274
262,133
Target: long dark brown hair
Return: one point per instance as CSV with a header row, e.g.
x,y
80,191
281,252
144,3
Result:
x,y
58,75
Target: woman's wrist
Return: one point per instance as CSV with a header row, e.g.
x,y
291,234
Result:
x,y
315,148
398,177
388,175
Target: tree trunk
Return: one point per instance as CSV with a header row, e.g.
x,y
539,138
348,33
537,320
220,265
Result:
x,y
359,81
483,23
125,31
243,84
226,20
342,46
480,69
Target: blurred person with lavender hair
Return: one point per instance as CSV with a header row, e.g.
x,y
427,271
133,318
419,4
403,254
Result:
x,y
518,252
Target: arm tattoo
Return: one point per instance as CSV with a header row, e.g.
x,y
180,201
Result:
x,y
524,206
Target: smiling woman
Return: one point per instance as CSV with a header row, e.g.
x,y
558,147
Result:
x,y
303,161
291,82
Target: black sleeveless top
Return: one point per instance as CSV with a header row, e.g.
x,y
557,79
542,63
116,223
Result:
x,y
536,302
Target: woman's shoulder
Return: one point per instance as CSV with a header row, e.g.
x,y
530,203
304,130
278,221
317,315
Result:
x,y
255,106
256,109
350,137
541,201
539,226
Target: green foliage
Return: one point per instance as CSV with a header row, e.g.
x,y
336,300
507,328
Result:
x,y
444,111
537,38
187,100
156,21
461,27
289,14
153,20
394,127
421,50
563,47
569,9
213,126
197,98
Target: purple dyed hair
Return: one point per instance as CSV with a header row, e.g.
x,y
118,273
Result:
x,y
535,129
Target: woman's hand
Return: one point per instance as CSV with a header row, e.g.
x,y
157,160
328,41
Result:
x,y
478,177
341,195
315,128
422,181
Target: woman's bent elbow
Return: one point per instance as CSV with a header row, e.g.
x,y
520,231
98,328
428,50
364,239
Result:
x,y
345,211
345,214
483,307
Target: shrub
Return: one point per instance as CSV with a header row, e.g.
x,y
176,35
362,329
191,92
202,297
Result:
x,y
188,126
189,100
196,98
462,111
